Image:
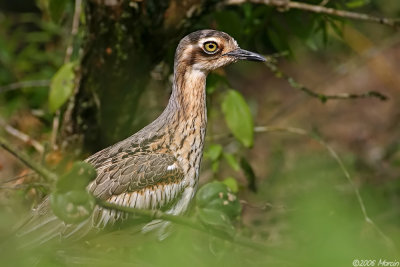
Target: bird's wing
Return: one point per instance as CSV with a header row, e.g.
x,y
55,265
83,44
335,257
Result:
x,y
140,172
144,181
140,181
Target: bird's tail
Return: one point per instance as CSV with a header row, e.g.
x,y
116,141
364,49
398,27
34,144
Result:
x,y
42,226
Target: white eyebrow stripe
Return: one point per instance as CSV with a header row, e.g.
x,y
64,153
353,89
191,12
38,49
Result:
x,y
208,39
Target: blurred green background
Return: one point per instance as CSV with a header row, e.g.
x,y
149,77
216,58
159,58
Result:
x,y
295,198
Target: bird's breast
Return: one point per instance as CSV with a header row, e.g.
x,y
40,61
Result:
x,y
188,147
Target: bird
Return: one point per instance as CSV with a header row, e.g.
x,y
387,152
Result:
x,y
158,166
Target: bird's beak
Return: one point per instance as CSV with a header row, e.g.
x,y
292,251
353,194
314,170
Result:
x,y
244,54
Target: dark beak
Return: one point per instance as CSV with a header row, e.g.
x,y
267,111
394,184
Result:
x,y
244,54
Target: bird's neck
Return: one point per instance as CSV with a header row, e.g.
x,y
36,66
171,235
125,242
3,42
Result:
x,y
188,98
186,118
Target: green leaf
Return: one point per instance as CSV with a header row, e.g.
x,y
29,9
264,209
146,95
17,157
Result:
x,y
217,220
218,196
213,152
62,86
232,161
72,206
215,166
208,192
77,178
70,201
238,117
56,9
357,3
249,173
232,184
336,28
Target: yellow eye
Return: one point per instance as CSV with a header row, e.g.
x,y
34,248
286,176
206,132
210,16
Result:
x,y
210,47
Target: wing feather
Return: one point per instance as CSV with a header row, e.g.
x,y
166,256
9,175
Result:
x,y
122,180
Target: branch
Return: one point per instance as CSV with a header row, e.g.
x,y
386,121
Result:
x,y
24,84
335,156
270,63
284,5
46,174
22,136
156,214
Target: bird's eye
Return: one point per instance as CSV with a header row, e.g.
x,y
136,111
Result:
x,y
210,47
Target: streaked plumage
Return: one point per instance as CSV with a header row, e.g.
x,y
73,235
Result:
x,y
157,167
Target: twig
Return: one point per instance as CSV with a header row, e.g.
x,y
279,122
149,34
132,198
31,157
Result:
x,y
23,186
74,30
24,84
156,214
68,54
16,178
22,136
54,132
335,156
285,5
46,174
322,97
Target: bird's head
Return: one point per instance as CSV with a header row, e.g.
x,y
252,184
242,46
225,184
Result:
x,y
206,50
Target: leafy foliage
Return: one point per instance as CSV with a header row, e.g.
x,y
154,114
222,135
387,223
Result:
x,y
70,201
238,117
217,207
30,49
77,178
219,197
62,86
72,206
232,184
56,8
249,173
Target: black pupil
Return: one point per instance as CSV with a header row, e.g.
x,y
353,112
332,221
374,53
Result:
x,y
210,46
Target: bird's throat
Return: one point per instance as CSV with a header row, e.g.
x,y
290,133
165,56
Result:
x,y
189,94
